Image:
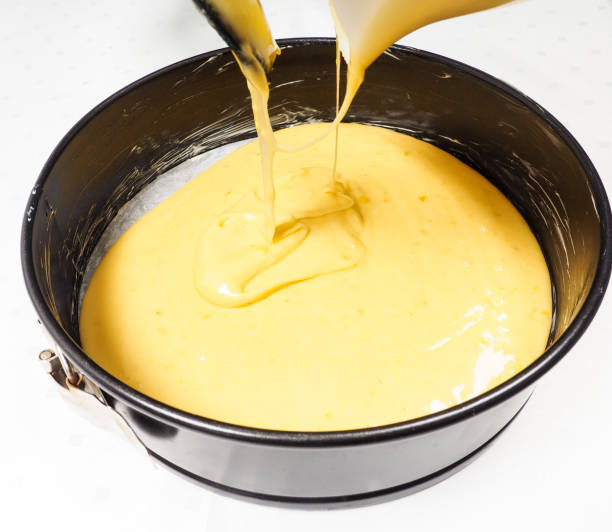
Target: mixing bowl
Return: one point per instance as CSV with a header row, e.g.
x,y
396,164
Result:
x,y
202,103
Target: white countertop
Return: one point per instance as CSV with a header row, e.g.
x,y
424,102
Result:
x,y
549,471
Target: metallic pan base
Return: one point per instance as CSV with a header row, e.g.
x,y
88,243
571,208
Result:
x,y
349,501
202,103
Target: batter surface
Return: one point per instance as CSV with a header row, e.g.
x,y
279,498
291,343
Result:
x,y
411,286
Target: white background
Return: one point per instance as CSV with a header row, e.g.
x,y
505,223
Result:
x,y
550,471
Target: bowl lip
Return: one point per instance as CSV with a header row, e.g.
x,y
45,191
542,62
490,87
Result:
x,y
173,416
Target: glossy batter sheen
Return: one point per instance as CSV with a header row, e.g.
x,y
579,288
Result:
x,y
424,288
364,30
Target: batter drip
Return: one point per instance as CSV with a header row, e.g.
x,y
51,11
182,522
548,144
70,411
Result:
x,y
387,283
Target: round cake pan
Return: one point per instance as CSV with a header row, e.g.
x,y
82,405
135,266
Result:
x,y
202,103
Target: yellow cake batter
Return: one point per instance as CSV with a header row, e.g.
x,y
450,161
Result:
x,y
364,30
408,286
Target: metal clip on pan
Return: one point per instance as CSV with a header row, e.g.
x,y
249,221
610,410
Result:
x,y
82,392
